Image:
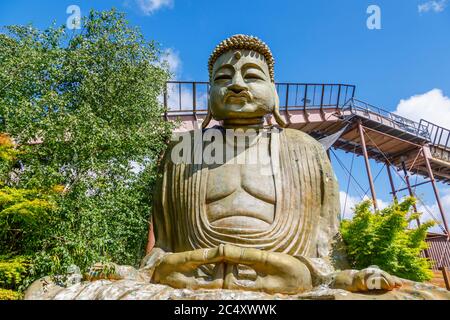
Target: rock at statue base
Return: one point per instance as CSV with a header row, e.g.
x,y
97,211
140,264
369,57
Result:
x,y
134,290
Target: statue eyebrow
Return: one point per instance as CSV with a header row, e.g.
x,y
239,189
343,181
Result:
x,y
225,66
253,65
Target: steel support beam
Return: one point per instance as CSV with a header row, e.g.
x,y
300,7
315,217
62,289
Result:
x,y
435,189
391,181
393,137
413,186
366,158
408,185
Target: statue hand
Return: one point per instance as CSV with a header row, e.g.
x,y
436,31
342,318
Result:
x,y
370,279
276,272
179,270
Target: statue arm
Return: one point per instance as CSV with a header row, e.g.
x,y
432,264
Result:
x,y
365,280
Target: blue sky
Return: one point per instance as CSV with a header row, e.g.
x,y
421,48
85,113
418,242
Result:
x,y
312,41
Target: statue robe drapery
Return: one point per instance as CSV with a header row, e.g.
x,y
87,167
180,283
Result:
x,y
306,209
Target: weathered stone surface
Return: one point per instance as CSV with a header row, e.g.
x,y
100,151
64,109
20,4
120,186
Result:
x,y
133,290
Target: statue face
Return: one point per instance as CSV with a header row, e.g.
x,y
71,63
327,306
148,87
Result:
x,y
241,87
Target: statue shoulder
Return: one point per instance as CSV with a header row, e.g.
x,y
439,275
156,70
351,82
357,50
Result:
x,y
295,136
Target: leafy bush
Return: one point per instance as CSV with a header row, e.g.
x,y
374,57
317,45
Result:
x,y
82,133
12,272
8,155
6,294
23,217
384,239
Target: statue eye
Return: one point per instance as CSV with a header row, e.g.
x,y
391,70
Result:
x,y
222,77
253,76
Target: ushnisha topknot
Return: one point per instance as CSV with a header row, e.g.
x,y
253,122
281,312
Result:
x,y
243,42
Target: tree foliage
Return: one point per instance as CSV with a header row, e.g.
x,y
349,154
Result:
x,y
12,272
6,294
382,238
82,131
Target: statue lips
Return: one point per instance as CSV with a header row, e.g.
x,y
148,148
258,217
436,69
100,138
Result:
x,y
240,98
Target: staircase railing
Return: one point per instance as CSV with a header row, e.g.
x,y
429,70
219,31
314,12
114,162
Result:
x,y
439,136
383,116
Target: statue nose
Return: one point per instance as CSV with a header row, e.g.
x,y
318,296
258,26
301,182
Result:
x,y
237,88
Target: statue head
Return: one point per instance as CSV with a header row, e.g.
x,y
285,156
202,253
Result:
x,y
242,86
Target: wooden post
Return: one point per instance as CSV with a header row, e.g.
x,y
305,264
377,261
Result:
x,y
366,158
151,238
446,273
435,189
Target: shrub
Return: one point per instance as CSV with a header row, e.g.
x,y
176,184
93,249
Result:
x,y
12,272
6,294
24,215
382,238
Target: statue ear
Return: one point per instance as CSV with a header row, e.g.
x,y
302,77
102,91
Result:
x,y
208,118
276,109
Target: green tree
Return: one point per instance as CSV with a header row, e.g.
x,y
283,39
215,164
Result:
x,y
382,238
83,110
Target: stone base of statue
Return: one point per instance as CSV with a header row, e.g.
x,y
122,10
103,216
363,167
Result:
x,y
138,290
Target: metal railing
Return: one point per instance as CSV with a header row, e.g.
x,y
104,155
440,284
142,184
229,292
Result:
x,y
191,98
297,96
371,112
439,136
186,97
183,97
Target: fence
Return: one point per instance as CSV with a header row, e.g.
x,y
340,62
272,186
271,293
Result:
x,y
183,97
439,136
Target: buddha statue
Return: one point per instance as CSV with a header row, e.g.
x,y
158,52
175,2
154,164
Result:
x,y
246,207
264,226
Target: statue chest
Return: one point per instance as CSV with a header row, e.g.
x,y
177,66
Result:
x,y
240,197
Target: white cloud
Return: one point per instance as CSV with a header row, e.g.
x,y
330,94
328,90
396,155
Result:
x,y
435,6
186,98
148,7
432,106
172,58
435,213
347,207
347,212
